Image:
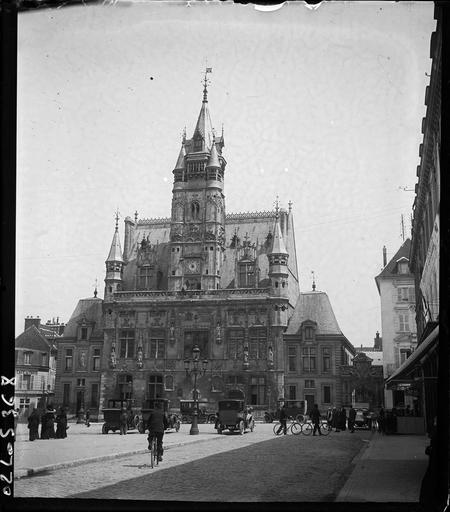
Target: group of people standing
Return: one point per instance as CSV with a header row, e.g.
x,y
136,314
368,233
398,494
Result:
x,y
48,419
337,418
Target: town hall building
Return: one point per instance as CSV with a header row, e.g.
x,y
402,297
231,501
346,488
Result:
x,y
225,282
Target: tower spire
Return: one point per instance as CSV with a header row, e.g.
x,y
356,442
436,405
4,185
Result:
x,y
206,82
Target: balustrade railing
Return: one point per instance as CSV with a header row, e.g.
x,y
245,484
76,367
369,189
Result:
x,y
189,294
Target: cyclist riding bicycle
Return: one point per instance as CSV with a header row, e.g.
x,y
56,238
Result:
x,y
157,424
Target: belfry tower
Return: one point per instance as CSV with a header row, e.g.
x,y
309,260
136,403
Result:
x,y
197,231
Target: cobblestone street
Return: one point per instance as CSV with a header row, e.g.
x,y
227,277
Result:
x,y
253,467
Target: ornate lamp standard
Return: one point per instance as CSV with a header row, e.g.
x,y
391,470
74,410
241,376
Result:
x,y
195,370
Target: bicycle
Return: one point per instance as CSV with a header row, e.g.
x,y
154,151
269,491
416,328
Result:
x,y
154,459
278,429
308,428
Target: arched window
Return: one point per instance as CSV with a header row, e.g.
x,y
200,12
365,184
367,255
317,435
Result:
x,y
195,210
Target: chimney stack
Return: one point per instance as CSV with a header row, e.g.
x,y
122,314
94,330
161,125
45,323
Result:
x,y
29,321
384,256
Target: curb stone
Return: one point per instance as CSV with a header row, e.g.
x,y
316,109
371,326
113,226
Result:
x,y
23,473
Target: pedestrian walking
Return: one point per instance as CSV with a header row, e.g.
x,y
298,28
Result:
x,y
315,418
330,418
283,421
381,421
123,421
61,424
335,419
86,418
157,424
351,419
33,425
16,419
343,419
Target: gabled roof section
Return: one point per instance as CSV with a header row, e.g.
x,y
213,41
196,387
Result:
x,y
115,253
32,339
390,270
316,307
89,310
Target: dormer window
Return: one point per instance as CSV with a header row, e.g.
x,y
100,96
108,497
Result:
x,y
83,333
246,274
308,331
27,357
402,266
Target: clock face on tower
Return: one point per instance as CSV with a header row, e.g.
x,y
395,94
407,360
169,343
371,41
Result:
x,y
192,266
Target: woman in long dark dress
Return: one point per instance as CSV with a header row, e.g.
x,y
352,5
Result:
x,y
33,425
48,424
61,424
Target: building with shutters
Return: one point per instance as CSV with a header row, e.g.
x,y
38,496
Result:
x,y
395,285
35,363
226,282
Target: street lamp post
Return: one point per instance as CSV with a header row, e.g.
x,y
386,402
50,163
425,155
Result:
x,y
195,370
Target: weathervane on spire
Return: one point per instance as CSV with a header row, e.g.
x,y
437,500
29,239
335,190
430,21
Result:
x,y
206,82
117,218
314,281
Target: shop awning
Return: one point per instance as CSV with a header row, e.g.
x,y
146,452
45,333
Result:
x,y
414,359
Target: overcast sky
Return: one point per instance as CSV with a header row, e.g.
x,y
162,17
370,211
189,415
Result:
x,y
321,107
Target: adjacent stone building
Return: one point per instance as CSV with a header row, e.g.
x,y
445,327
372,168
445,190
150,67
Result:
x,y
316,349
226,282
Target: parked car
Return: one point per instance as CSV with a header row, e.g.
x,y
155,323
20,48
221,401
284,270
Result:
x,y
294,408
363,419
234,416
113,412
187,410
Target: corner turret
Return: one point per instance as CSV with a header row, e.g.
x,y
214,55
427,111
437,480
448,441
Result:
x,y
114,265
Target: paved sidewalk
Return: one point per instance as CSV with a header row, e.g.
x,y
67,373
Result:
x,y
389,469
48,454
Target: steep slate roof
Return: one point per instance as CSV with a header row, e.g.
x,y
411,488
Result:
x,y
33,339
256,224
89,309
390,270
204,126
314,306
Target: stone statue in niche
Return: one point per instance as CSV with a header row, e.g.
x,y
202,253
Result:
x,y
270,356
112,357
218,334
83,360
245,356
172,333
140,362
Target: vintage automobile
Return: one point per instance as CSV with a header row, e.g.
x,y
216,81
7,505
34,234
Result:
x,y
112,413
149,405
363,419
187,410
233,415
295,408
